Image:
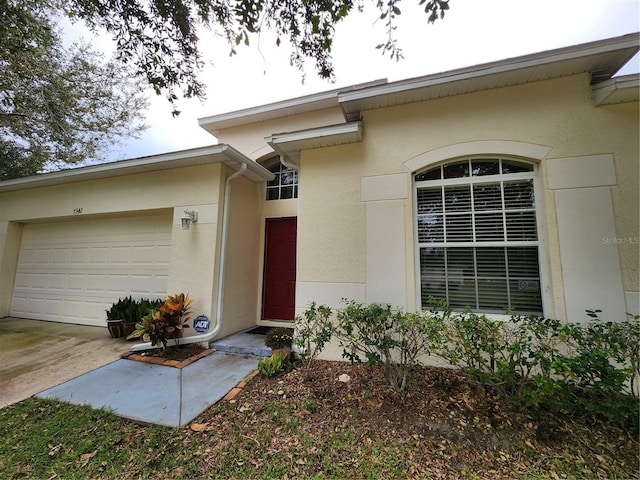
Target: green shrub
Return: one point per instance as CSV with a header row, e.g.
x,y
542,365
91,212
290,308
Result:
x,y
130,310
313,331
540,363
279,337
375,333
273,365
574,368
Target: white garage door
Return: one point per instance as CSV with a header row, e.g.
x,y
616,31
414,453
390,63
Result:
x,y
72,271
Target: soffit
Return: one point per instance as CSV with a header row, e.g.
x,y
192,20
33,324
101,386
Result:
x,y
617,90
186,158
285,108
291,143
602,59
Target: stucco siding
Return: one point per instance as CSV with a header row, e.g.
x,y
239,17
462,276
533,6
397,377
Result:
x,y
356,211
243,254
331,223
146,191
191,253
623,120
249,139
555,117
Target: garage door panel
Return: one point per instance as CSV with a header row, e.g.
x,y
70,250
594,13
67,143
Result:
x,y
19,304
119,255
78,256
144,256
73,271
53,308
75,283
96,256
116,284
141,283
59,256
40,258
159,286
35,305
72,308
95,282
57,282
39,281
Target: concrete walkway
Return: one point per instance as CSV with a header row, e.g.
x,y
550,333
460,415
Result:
x,y
156,393
83,365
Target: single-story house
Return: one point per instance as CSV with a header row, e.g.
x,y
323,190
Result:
x,y
512,184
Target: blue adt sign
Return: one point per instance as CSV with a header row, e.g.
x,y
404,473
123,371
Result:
x,y
201,324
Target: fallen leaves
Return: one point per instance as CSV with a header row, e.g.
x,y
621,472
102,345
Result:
x,y
86,457
198,427
53,449
442,427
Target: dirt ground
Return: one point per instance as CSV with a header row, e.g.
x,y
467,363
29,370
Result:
x,y
456,428
36,355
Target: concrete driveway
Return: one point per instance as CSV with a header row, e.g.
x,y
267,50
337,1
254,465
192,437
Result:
x,y
37,355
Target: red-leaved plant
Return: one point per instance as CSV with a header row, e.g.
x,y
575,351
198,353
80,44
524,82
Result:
x,y
166,322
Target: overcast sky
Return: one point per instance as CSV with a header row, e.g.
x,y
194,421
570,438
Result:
x,y
472,32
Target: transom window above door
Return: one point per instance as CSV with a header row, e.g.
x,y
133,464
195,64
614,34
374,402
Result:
x,y
285,183
477,235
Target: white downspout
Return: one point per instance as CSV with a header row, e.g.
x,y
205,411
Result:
x,y
289,164
206,337
223,251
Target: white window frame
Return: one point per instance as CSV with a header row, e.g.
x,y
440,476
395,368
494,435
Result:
x,y
471,180
280,186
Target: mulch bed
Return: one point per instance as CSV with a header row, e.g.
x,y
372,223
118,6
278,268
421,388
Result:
x,y
454,425
176,357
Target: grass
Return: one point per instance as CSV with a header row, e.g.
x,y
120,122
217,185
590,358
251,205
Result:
x,y
49,439
303,433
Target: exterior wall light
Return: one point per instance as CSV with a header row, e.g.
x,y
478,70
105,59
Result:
x,y
189,217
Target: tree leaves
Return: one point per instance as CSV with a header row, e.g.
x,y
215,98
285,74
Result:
x,y
57,106
159,37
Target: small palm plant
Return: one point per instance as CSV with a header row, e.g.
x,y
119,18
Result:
x,y
166,322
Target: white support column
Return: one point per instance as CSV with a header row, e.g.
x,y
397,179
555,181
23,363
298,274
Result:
x,y
590,262
385,197
10,236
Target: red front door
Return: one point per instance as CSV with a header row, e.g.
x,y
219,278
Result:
x,y
279,296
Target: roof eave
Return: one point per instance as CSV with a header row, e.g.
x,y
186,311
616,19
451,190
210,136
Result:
x,y
290,144
309,103
220,153
602,59
625,89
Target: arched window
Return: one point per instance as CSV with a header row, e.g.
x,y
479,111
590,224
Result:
x,y
477,235
285,183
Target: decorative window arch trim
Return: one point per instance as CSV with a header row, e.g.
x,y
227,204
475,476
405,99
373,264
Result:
x,y
263,153
528,151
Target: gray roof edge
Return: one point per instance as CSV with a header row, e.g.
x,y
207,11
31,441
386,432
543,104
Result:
x,y
622,89
629,41
283,108
253,166
182,158
341,96
315,132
